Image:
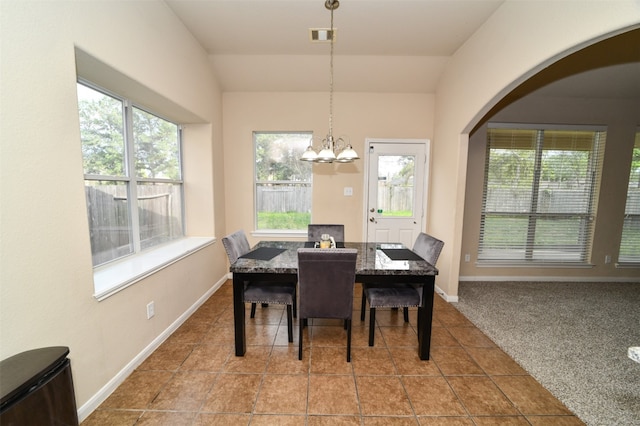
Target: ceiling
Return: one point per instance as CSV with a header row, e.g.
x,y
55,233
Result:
x,y
397,46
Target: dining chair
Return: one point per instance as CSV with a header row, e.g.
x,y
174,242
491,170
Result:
x,y
326,279
315,231
236,245
400,295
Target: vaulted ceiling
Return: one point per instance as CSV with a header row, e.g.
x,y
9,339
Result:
x,y
381,46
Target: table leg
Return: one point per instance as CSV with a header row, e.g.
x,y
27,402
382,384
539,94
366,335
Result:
x,y
238,315
425,317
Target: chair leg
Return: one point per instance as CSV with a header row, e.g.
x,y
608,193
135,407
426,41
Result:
x,y
363,307
372,325
289,323
406,314
253,310
348,340
300,328
295,303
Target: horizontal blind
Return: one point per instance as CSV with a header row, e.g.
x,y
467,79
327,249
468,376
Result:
x,y
539,194
630,244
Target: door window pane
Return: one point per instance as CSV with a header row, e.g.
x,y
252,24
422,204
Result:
x,y
396,175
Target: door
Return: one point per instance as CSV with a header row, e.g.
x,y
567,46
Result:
x,y
396,183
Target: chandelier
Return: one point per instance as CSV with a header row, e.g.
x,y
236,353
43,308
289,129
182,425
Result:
x,y
332,150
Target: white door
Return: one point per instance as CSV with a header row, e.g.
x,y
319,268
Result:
x,y
396,185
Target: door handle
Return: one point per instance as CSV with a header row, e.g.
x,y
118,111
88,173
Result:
x,y
372,210
372,219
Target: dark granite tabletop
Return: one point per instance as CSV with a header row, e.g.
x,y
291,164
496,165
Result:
x,y
372,260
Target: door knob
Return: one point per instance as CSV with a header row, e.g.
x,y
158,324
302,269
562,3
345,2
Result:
x,y
372,210
372,219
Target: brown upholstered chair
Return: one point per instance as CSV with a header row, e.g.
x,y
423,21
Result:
x,y
399,296
326,278
315,231
236,245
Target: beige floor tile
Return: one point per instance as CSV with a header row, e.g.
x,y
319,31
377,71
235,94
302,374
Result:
x,y
222,419
445,421
326,420
282,394
529,396
161,418
211,358
332,395
382,396
233,393
106,417
495,362
390,421
372,361
408,362
185,391
329,360
454,361
481,397
138,390
169,356
471,337
284,360
432,396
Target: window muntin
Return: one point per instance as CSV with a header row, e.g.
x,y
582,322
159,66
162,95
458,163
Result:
x,y
539,193
630,243
128,153
283,183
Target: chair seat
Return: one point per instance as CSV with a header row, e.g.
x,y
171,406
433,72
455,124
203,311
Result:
x,y
276,294
392,297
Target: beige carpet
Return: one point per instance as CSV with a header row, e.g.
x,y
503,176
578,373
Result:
x,y
572,337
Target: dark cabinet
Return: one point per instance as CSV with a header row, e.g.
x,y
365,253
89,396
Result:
x,y
36,388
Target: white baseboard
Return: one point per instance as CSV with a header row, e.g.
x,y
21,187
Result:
x,y
445,296
88,407
550,279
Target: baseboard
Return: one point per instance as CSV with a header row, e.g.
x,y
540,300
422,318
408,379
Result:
x,y
445,296
549,279
94,402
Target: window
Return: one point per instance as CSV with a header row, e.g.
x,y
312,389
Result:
x,y
630,244
539,193
128,154
283,182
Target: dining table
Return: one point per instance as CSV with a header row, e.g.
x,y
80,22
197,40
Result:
x,y
383,263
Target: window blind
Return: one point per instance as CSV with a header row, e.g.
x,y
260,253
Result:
x,y
630,243
539,196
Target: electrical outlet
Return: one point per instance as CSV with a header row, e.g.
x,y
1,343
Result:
x,y
607,259
348,191
151,310
467,257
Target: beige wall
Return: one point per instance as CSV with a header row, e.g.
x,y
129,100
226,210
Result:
x,y
358,115
45,266
621,118
46,293
511,46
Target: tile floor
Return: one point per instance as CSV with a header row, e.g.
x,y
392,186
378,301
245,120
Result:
x,y
194,378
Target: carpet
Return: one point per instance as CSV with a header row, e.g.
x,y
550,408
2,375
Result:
x,y
572,337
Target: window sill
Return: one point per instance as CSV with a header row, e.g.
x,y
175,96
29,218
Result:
x,y
114,277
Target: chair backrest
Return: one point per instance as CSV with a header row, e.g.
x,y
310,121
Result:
x,y
315,230
236,245
428,247
326,278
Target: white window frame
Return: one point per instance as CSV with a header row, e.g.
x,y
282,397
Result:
x,y
523,255
269,232
631,214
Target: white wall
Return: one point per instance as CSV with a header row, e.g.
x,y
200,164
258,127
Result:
x,y
46,293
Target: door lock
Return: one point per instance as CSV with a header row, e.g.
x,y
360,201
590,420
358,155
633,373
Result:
x,y
372,219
